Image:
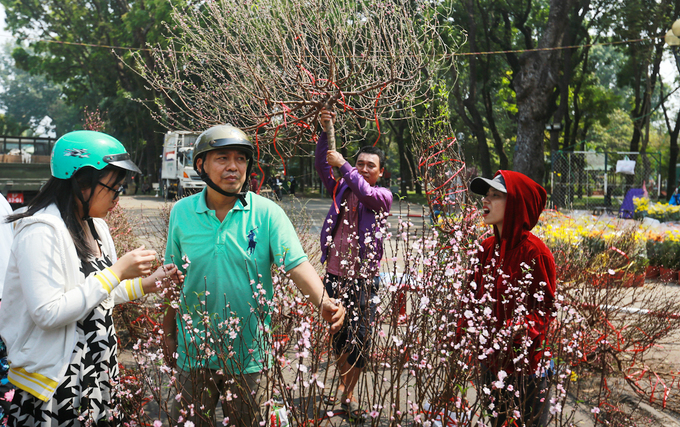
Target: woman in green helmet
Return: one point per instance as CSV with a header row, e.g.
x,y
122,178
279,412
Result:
x,y
62,282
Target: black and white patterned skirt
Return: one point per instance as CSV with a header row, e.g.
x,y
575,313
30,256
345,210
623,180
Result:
x,y
85,394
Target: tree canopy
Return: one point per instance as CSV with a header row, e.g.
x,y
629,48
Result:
x,y
522,79
84,47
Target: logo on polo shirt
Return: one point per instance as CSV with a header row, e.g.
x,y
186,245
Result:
x,y
251,241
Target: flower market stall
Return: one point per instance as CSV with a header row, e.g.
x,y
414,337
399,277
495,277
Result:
x,y
615,249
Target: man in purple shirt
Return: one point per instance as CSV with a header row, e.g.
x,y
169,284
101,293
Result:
x,y
351,246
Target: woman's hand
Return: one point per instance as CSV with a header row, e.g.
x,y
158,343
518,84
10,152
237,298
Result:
x,y
135,263
166,276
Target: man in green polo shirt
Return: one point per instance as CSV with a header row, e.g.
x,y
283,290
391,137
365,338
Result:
x,y
226,240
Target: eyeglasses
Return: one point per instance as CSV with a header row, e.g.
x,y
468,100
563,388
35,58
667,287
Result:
x,y
116,192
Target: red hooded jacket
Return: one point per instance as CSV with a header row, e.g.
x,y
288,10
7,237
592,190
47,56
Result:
x,y
525,202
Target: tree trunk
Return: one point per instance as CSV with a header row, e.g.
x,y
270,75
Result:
x,y
571,138
572,37
151,168
561,112
536,80
476,124
415,184
640,114
404,170
651,85
474,120
399,129
150,152
672,161
673,132
497,140
671,181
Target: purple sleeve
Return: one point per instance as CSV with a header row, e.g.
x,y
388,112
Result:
x,y
377,199
321,164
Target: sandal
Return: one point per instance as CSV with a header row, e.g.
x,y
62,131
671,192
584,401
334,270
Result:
x,y
354,411
330,399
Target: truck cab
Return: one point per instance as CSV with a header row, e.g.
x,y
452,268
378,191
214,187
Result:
x,y
178,177
24,167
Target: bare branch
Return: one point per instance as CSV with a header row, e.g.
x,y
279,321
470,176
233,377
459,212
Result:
x,y
271,66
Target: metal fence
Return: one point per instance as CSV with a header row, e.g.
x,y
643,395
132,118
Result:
x,y
588,180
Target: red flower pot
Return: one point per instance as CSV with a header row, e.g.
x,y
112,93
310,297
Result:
x,y
597,280
606,280
652,272
667,275
616,279
634,280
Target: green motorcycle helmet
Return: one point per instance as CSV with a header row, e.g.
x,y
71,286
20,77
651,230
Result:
x,y
82,148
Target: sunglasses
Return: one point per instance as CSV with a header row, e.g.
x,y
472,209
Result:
x,y
116,191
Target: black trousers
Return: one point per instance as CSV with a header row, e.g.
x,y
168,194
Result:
x,y
355,335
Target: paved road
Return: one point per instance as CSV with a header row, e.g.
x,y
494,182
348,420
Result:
x,y
316,208
147,211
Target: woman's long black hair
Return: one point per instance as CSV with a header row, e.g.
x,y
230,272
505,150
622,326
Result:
x,y
65,193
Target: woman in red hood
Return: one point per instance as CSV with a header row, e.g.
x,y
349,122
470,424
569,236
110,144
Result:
x,y
515,279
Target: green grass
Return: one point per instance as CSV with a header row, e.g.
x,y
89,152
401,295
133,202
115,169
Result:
x,y
412,197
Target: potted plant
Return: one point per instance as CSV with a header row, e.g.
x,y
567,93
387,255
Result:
x,y
673,213
634,275
674,252
641,205
669,260
653,256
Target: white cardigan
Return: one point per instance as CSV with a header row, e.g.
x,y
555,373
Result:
x,y
43,299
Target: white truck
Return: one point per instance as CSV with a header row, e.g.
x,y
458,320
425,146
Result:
x,y
178,177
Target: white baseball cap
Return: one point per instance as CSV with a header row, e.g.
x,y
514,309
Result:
x,y
481,185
